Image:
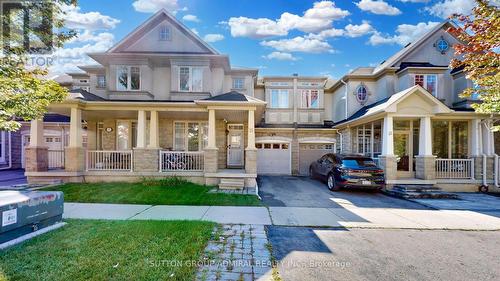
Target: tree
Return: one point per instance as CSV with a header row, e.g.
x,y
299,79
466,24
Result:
x,y
478,54
25,93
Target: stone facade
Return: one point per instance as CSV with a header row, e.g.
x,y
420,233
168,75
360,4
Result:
x,y
74,158
250,166
389,164
37,159
146,160
425,167
109,138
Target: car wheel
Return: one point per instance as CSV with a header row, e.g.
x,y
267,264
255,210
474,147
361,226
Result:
x,y
332,185
311,173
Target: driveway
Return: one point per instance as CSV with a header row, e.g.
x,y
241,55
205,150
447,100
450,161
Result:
x,y
287,191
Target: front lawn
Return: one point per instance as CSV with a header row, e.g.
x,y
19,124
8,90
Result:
x,y
110,250
152,193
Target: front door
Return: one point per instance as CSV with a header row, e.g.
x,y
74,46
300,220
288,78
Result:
x,y
235,148
402,150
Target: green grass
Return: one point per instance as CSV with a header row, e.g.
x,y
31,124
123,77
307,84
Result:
x,y
110,250
152,193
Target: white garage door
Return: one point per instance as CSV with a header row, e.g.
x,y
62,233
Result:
x,y
273,158
310,152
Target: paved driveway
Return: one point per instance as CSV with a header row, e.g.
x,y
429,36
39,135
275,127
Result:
x,y
287,191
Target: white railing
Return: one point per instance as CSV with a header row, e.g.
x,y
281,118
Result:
x,y
181,161
56,159
105,160
455,168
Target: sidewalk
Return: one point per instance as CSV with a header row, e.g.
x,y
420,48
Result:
x,y
349,216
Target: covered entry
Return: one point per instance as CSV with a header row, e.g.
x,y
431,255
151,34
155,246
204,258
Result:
x,y
274,158
310,152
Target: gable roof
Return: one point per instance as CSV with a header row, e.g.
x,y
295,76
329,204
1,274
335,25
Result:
x,y
152,22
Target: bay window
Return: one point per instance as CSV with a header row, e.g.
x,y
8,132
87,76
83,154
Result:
x,y
190,136
310,99
279,98
190,79
128,78
428,82
450,139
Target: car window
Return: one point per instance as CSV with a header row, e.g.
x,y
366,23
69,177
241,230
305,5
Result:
x,y
358,162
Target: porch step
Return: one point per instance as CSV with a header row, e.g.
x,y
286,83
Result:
x,y
231,183
420,192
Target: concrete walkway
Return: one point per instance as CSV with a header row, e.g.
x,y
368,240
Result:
x,y
347,216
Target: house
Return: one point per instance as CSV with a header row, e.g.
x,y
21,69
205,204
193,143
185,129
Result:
x,y
163,102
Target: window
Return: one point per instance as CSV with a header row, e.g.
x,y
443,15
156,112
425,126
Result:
x,y
190,136
101,81
2,146
450,139
428,82
164,34
190,79
238,83
368,139
128,78
123,135
84,81
310,98
279,98
362,94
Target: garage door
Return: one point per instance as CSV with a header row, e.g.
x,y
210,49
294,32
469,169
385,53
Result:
x,y
273,158
310,152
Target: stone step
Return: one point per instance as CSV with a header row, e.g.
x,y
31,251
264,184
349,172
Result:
x,y
416,188
232,183
420,192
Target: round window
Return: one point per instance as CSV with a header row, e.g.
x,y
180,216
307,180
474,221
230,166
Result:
x,y
361,94
442,45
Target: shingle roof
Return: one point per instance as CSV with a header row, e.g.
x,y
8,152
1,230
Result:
x,y
84,95
405,65
362,111
230,96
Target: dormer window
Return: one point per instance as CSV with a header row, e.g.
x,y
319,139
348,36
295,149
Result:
x,y
238,83
164,33
428,82
128,78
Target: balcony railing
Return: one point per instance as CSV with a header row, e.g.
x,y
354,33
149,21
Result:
x,y
455,168
100,160
171,161
56,159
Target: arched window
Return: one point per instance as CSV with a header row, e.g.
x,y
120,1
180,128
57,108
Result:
x,y
361,94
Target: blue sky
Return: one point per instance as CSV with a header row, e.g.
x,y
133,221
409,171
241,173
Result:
x,y
277,36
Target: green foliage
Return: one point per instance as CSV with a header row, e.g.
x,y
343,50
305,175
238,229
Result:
x,y
478,54
25,93
173,181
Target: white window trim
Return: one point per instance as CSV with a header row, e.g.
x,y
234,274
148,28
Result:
x,y
169,37
4,142
190,82
186,141
425,82
129,78
280,91
309,92
97,81
242,85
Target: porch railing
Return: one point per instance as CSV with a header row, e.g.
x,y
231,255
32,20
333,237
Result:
x,y
105,160
455,168
56,159
181,161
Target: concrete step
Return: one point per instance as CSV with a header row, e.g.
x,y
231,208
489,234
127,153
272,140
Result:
x,y
420,192
232,183
416,188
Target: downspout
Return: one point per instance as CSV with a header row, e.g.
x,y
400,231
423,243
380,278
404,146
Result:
x,y
10,153
485,183
341,140
345,96
496,171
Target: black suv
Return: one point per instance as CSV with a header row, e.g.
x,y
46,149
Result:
x,y
347,170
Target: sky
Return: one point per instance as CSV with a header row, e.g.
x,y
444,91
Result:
x,y
279,37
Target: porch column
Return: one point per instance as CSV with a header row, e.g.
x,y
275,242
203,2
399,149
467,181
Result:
x,y
211,151
251,151
425,162
141,129
476,142
36,152
388,160
75,154
154,130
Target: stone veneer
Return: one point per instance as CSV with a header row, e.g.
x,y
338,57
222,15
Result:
x,y
425,167
389,164
74,159
146,160
37,159
250,166
210,165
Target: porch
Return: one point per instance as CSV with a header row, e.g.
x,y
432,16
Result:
x,y
200,141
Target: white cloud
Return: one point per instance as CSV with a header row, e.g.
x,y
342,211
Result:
x,y
152,6
358,30
378,7
89,36
315,19
192,18
210,38
405,33
280,56
414,1
195,31
75,19
299,44
327,33
446,8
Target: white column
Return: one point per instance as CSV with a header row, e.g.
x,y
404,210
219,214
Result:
x,y
425,138
154,140
476,143
141,129
75,128
488,141
211,129
251,129
36,133
388,137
